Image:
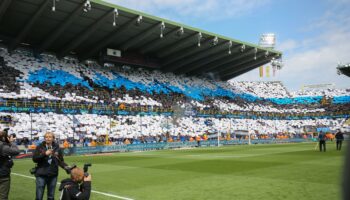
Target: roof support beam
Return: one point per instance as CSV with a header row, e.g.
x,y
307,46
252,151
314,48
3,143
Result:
x,y
84,35
185,52
13,45
150,46
244,69
108,39
3,7
126,45
176,45
59,30
227,67
210,66
178,64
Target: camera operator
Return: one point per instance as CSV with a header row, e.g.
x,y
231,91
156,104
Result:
x,y
77,187
48,156
7,149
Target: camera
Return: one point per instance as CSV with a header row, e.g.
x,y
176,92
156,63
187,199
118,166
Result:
x,y
4,136
33,170
86,168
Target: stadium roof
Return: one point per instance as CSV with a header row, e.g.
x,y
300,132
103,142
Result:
x,y
70,30
344,69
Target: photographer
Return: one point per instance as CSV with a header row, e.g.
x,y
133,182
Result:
x,y
48,156
340,138
7,150
77,187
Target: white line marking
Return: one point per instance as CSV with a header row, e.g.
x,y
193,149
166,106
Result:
x,y
111,195
31,177
221,156
94,191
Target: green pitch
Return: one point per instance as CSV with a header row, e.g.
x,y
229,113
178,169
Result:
x,y
280,171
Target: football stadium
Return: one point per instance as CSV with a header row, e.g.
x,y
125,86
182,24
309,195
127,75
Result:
x,y
151,110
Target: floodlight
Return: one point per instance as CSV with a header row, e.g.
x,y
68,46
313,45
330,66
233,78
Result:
x,y
242,48
278,63
255,52
54,5
87,6
139,20
215,41
116,12
181,31
267,54
162,27
115,15
199,37
229,47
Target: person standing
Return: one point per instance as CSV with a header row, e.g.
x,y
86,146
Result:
x,y
322,141
339,139
48,156
7,149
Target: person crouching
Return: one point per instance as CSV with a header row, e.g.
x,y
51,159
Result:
x,y
76,187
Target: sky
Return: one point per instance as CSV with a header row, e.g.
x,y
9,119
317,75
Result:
x,y
313,35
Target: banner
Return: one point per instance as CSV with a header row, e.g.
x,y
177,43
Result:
x,y
267,71
261,71
170,145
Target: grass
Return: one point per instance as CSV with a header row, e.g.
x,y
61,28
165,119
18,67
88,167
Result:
x,y
280,171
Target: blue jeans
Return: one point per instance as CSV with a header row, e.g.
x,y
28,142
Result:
x,y
41,182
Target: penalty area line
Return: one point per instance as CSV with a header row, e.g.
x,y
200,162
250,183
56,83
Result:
x,y
94,191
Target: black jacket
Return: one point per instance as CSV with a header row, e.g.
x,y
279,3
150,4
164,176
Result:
x,y
72,190
44,168
6,153
339,136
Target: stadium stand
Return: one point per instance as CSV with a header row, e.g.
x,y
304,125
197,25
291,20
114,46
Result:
x,y
80,100
262,89
82,76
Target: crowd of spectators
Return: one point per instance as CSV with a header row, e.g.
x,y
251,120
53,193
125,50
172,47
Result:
x,y
271,89
92,126
46,79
